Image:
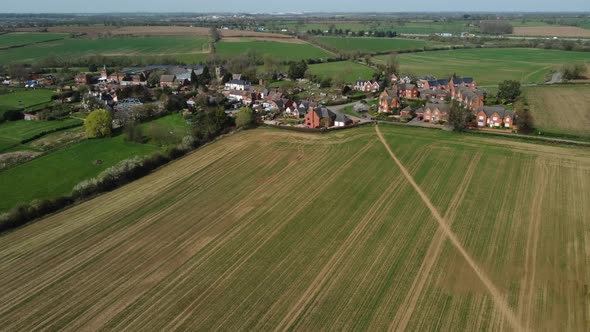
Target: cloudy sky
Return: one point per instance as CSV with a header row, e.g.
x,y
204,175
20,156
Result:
x,y
87,6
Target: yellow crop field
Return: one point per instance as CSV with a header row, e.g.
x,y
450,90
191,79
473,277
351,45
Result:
x,y
373,228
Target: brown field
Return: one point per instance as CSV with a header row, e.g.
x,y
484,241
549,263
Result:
x,y
388,228
549,31
561,109
271,39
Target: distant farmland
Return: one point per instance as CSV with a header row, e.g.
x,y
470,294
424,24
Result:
x,y
274,230
281,51
372,45
121,46
563,110
19,38
489,66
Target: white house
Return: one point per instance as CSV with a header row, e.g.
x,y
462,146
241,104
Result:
x,y
240,85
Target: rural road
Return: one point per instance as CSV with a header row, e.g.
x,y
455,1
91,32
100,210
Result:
x,y
338,109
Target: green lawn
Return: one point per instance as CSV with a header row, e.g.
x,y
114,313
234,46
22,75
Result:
x,y
172,129
24,38
347,71
17,98
282,51
489,66
131,46
373,44
13,132
57,173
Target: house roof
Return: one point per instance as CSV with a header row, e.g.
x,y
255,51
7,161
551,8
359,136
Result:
x,y
167,78
460,80
239,82
442,107
342,118
501,110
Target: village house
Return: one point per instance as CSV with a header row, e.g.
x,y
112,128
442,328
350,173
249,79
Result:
x,y
433,95
494,116
240,85
406,90
367,86
168,81
406,112
321,116
467,82
433,112
471,99
83,79
388,101
434,84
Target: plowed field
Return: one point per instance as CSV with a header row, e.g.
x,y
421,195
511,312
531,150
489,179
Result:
x,y
365,229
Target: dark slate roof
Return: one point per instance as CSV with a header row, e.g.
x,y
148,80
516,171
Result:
x,y
490,110
441,107
167,78
323,112
342,118
461,80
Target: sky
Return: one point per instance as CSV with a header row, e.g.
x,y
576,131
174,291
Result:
x,y
265,6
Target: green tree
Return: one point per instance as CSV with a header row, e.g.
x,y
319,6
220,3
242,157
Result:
x,y
98,123
509,90
458,116
297,70
215,34
245,118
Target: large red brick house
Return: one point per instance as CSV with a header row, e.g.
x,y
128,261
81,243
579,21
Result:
x,y
314,117
434,95
434,84
467,82
433,112
367,86
471,99
494,116
388,100
406,90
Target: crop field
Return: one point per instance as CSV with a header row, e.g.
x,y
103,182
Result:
x,y
57,173
552,31
131,46
349,72
17,98
489,66
24,38
563,110
373,45
351,230
414,27
282,51
13,132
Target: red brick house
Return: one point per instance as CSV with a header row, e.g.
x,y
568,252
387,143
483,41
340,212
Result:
x,y
494,116
168,80
409,91
314,117
471,99
433,95
434,84
406,112
467,82
82,79
433,112
388,100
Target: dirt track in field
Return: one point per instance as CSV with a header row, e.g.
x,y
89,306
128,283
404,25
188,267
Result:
x,y
269,39
499,300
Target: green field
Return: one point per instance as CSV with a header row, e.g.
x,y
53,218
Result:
x,y
18,98
25,38
132,47
349,72
278,230
372,45
173,127
282,51
560,110
489,66
57,173
13,132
